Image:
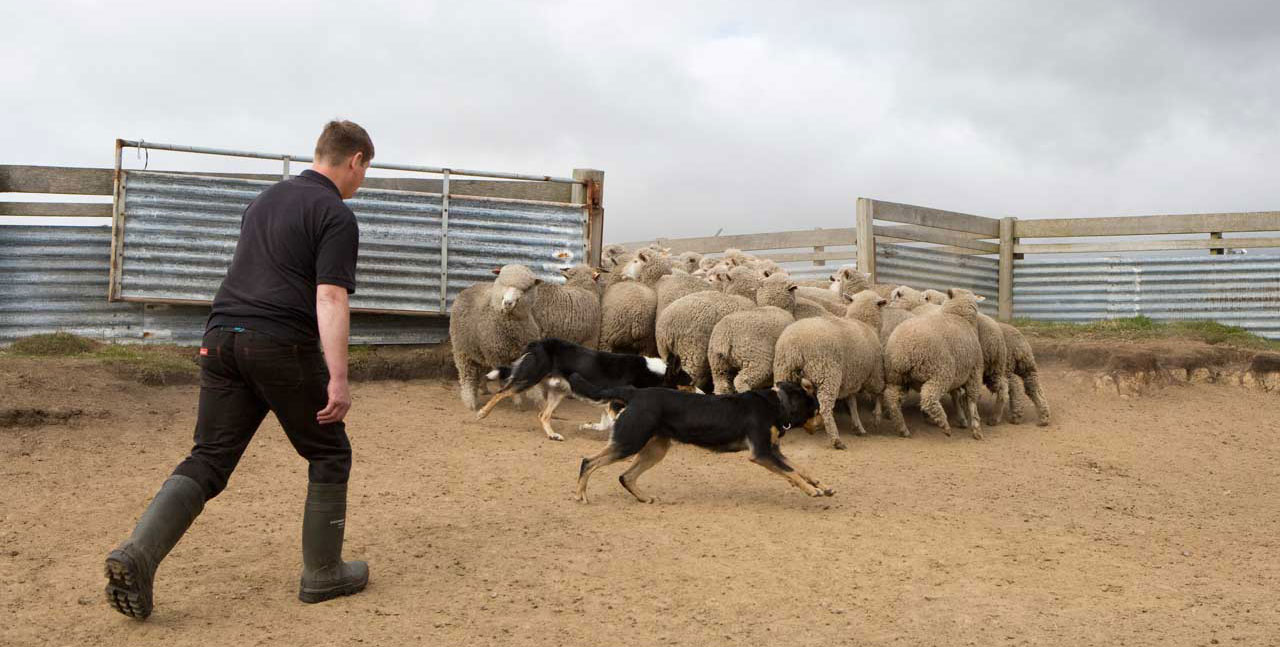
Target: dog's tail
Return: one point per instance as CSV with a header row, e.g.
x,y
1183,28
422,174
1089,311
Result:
x,y
582,387
529,369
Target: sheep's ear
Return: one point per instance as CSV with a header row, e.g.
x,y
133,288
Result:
x,y
537,281
807,385
497,270
951,293
979,297
793,287
896,294
847,298
881,301
644,255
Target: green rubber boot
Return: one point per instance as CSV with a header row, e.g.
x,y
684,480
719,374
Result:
x,y
324,575
131,568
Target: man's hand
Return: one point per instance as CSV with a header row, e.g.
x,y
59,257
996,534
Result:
x,y
339,402
334,318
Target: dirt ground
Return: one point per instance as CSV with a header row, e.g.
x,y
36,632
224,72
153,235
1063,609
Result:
x,y
1149,521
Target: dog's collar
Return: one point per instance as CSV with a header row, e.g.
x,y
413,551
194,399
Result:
x,y
786,427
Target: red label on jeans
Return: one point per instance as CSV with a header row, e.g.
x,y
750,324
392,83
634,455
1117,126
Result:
x,y
204,352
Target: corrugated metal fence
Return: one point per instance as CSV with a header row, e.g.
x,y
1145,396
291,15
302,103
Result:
x,y
1239,290
55,279
923,269
179,233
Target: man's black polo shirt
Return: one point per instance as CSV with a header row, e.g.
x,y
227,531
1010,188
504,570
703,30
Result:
x,y
294,235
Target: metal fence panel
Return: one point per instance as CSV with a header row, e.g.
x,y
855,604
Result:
x,y
180,231
1238,290
925,269
55,279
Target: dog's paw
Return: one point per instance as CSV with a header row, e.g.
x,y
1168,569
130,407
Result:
x,y
555,436
652,499
826,491
838,444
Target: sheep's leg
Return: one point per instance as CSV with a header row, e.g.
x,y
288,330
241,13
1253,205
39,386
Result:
x,y
827,392
1016,411
931,404
469,376
893,406
852,401
721,373
1031,381
971,390
1000,387
753,375
957,402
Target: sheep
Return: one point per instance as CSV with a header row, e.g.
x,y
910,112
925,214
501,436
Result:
x,y
847,273
1022,366
840,355
570,311
995,368
743,282
735,257
614,256
629,307
940,353
743,341
683,330
489,325
913,300
846,281
936,297
898,311
677,284
689,261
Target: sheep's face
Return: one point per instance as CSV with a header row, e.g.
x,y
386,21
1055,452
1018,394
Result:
x,y
718,277
905,296
935,297
848,280
689,261
643,257
514,287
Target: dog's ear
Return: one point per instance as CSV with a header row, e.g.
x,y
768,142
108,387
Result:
x,y
807,385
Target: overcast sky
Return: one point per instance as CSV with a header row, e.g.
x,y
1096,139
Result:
x,y
736,115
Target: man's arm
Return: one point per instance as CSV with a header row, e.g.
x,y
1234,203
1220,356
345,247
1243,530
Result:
x,y
334,317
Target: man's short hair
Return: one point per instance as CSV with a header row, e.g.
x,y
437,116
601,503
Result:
x,y
342,139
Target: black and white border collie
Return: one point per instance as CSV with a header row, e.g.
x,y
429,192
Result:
x,y
652,418
549,362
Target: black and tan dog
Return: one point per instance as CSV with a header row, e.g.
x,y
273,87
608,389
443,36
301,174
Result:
x,y
652,418
548,362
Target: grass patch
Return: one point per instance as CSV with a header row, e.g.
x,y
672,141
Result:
x,y
58,344
151,365
1144,328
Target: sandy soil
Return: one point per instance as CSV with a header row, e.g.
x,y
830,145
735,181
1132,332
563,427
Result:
x,y
1148,521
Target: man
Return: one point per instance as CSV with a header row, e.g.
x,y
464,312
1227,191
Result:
x,y
286,289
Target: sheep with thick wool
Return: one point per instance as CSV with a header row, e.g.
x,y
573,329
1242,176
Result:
x,y
570,311
1022,368
683,330
677,284
630,306
490,324
840,355
937,353
740,351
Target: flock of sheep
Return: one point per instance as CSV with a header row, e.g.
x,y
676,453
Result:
x,y
736,322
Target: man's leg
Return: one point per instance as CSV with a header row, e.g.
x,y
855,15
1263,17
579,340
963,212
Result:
x,y
229,413
328,452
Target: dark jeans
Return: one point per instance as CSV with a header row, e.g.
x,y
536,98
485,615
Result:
x,y
242,376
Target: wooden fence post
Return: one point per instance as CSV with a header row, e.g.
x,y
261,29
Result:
x,y
592,195
866,237
1216,235
1007,239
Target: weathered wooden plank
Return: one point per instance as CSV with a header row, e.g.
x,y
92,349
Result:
x,y
866,238
1143,246
62,209
1004,297
1186,223
939,236
929,217
66,180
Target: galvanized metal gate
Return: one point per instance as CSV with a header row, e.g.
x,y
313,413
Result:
x,y
173,235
